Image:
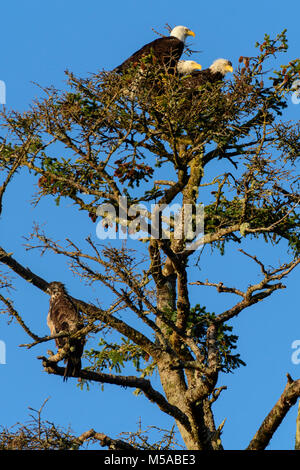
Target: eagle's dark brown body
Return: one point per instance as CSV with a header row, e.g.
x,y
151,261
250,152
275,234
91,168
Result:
x,y
213,74
201,77
64,316
165,52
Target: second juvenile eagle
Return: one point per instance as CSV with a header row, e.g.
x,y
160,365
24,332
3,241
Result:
x,y
193,77
63,316
164,52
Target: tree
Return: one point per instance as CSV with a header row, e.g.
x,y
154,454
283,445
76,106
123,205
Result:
x,y
118,134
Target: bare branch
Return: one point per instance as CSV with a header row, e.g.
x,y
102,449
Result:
x,y
125,381
89,309
19,319
219,286
249,297
105,441
272,421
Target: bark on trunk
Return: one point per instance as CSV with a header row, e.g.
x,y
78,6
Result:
x,y
174,381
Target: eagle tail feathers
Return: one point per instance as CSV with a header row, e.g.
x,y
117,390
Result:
x,y
73,367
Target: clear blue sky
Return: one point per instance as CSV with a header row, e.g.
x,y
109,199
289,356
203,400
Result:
x,y
39,41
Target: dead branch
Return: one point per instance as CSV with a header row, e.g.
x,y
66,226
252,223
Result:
x,y
272,421
264,287
105,441
124,381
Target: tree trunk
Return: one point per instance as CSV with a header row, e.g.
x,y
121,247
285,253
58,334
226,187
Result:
x,y
297,440
174,381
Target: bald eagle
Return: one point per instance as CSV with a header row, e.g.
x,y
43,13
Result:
x,y
186,67
193,78
64,316
164,51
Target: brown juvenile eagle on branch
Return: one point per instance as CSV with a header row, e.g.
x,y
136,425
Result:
x,y
64,316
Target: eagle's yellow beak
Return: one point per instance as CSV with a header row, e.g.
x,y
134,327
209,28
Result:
x,y
191,33
197,66
229,68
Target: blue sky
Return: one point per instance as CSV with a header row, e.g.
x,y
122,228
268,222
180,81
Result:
x,y
39,41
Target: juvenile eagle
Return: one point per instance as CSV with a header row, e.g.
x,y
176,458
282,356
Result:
x,y
64,316
164,51
195,78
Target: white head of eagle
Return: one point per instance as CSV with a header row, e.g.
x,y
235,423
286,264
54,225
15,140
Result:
x,y
181,33
221,66
185,67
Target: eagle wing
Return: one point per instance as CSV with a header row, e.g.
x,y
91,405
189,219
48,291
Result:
x,y
166,51
200,77
63,316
